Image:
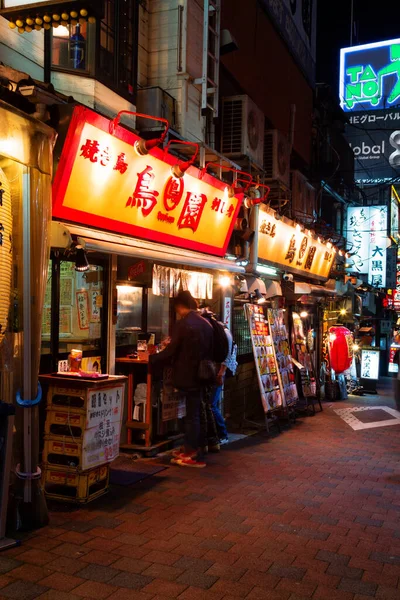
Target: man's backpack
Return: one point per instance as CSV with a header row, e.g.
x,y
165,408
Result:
x,y
220,341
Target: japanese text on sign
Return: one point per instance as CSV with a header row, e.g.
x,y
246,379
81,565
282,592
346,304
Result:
x,y
137,195
282,244
367,242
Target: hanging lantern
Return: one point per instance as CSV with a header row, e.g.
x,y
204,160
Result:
x,y
340,347
5,253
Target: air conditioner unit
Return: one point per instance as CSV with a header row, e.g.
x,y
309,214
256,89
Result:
x,y
155,101
242,129
303,197
276,157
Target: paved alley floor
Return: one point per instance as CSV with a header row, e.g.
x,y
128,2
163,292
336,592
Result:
x,y
311,513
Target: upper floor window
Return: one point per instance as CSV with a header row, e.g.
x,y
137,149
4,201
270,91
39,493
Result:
x,y
72,48
106,50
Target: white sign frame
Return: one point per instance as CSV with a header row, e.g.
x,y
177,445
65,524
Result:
x,y
374,355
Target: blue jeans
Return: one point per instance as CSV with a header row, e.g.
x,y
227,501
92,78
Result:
x,y
219,419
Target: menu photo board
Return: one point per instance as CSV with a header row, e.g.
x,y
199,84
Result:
x,y
303,356
283,356
264,357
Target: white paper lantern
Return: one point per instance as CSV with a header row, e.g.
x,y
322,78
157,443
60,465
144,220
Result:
x,y
5,253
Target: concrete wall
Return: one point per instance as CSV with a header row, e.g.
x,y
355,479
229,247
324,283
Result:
x,y
23,52
169,49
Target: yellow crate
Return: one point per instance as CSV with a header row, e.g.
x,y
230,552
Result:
x,y
66,398
70,485
62,452
65,423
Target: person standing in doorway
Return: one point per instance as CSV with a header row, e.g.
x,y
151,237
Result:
x,y
191,344
229,363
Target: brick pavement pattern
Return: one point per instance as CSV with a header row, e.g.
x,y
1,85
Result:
x,y
311,513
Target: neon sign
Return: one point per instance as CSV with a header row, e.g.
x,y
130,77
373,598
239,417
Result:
x,y
370,76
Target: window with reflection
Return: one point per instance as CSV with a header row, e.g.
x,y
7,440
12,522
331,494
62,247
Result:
x,y
71,49
106,49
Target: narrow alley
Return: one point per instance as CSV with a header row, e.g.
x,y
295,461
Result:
x,y
311,513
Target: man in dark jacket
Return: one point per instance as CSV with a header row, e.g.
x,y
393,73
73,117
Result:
x,y
191,342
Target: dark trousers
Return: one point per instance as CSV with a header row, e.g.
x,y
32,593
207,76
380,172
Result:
x,y
194,400
208,428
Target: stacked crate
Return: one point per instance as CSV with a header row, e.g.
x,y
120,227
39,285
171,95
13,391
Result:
x,y
66,475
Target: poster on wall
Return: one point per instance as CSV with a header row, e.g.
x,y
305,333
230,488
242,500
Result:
x,y
66,291
264,357
301,348
65,320
227,312
82,305
283,356
46,321
94,306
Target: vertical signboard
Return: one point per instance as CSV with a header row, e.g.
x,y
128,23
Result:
x,y
227,312
377,246
357,238
370,363
394,213
391,267
367,242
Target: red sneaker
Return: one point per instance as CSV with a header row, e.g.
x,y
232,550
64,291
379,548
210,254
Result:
x,y
190,462
180,456
178,451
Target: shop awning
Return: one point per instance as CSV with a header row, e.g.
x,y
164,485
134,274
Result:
x,y
316,290
101,241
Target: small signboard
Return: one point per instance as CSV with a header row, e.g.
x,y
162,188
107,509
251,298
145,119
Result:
x,y
370,363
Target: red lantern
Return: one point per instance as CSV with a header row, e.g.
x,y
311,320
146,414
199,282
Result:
x,y
340,348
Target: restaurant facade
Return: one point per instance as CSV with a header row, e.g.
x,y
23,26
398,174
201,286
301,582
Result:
x,y
144,205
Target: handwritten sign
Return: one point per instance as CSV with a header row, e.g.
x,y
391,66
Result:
x,y
138,195
103,427
227,312
82,305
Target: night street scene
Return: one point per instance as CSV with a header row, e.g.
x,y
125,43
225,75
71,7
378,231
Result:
x,y
199,300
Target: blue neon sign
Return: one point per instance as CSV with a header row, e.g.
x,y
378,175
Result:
x,y
370,76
